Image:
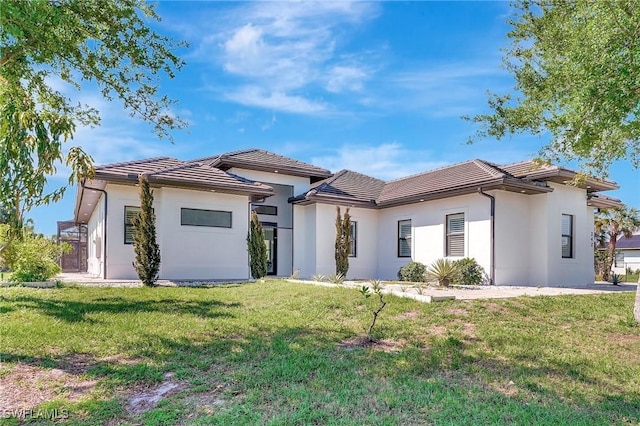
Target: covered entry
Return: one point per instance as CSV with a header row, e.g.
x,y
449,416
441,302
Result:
x,y
75,235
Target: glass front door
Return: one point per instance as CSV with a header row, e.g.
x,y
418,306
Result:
x,y
271,241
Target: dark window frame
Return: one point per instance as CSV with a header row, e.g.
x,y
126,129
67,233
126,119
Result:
x,y
570,236
128,224
450,234
206,210
353,248
257,207
401,238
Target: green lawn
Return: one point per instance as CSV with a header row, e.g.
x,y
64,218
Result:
x,y
280,353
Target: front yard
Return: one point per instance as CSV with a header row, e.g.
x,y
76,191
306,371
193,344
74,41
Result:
x,y
283,353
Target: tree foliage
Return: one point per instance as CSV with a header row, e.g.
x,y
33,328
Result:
x,y
257,248
577,71
611,223
343,242
145,245
42,43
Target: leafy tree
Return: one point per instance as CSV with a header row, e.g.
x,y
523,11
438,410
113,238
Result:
x,y
577,71
257,248
145,245
343,242
613,223
35,258
106,43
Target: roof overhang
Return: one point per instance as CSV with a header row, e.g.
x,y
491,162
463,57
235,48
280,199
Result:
x,y
599,201
569,177
504,184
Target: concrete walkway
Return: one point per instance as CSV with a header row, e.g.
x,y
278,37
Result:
x,y
425,293
434,294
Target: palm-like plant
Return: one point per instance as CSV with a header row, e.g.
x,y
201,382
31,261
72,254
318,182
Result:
x,y
610,224
443,270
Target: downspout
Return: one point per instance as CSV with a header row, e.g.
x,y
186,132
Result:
x,y
104,228
492,261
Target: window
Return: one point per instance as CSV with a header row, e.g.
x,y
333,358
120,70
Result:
x,y
567,236
619,260
404,238
212,218
269,210
455,235
353,238
129,213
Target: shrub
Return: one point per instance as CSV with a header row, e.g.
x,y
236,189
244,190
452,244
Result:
x,y
36,258
145,244
375,311
444,270
258,258
336,278
412,271
471,273
343,242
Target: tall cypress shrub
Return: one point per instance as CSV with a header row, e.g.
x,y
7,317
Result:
x,y
257,248
343,242
145,245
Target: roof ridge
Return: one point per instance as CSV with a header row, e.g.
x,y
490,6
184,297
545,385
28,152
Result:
x,y
489,168
142,161
171,169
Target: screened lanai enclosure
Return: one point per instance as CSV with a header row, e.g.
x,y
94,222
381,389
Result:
x,y
75,235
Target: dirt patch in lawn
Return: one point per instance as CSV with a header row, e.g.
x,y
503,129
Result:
x,y
457,311
408,315
144,399
384,345
26,386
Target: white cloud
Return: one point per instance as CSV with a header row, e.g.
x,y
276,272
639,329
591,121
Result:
x,y
279,101
386,161
286,49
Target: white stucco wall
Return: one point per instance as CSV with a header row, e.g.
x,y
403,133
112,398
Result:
x,y
95,239
578,270
304,240
187,252
428,221
512,238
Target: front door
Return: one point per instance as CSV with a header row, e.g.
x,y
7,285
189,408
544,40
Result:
x,y
271,241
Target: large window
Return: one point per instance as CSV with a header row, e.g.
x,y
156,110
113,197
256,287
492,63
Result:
x,y
455,235
212,218
354,239
404,238
129,213
268,210
567,236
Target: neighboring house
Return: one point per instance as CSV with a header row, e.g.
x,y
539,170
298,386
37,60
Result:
x,y
627,254
525,224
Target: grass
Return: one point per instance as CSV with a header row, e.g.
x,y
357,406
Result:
x,y
278,353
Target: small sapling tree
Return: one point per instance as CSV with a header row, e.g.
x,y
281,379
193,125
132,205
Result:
x,y
366,292
257,248
145,245
343,242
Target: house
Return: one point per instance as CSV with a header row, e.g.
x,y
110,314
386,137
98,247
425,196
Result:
x,y
525,223
627,254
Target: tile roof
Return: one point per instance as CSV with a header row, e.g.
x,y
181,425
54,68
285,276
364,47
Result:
x,y
148,165
347,184
632,242
532,169
457,176
205,176
259,159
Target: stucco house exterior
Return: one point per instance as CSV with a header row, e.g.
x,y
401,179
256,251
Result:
x,y
525,223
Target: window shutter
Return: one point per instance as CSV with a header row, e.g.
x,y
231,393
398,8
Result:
x,y
404,238
455,235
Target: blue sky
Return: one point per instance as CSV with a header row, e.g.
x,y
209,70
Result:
x,y
379,88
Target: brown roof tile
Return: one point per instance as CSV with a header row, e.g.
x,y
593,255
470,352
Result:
x,y
148,165
205,176
347,184
259,159
467,174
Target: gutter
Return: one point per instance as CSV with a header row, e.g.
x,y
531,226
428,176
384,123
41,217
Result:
x,y
492,262
104,229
